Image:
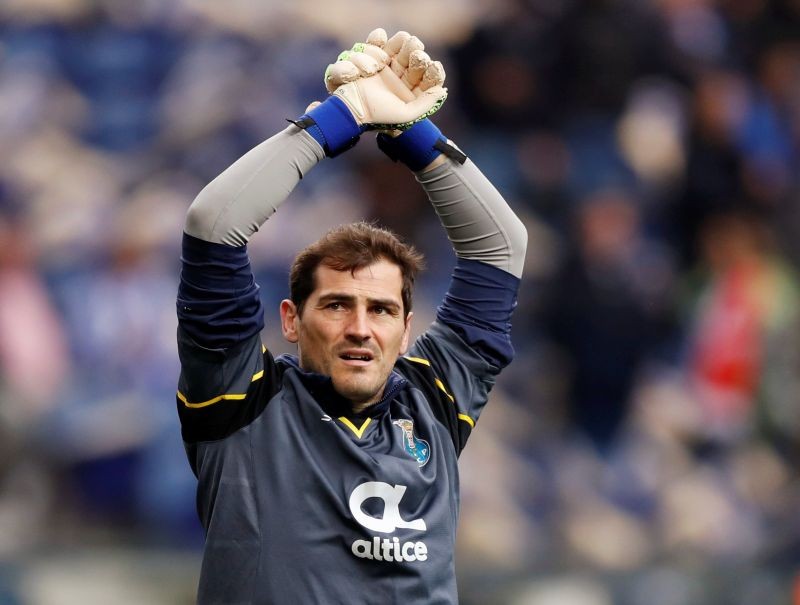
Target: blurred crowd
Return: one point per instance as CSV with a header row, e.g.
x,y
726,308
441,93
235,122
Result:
x,y
644,446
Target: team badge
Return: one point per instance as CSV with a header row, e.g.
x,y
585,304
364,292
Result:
x,y
419,449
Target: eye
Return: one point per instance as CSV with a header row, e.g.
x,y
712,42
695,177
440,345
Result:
x,y
381,310
334,306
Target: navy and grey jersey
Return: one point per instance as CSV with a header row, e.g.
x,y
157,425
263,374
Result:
x,y
303,501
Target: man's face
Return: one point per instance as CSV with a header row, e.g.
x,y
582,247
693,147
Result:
x,y
352,329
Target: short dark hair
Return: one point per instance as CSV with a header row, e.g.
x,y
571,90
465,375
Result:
x,y
352,247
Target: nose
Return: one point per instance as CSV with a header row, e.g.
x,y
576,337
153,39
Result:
x,y
358,325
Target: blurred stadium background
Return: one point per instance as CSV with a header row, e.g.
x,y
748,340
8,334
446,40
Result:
x,y
642,450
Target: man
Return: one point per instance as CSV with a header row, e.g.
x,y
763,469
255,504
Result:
x,y
332,477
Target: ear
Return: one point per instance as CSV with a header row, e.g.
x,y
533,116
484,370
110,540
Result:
x,y
406,334
289,319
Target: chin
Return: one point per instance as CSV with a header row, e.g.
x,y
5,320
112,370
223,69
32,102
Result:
x,y
357,393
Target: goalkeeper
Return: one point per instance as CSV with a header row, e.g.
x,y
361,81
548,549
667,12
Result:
x,y
331,476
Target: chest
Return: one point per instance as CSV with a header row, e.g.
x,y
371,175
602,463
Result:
x,y
396,470
401,444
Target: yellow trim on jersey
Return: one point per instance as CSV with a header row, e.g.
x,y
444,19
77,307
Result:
x,y
441,386
202,404
353,427
467,419
217,399
424,362
444,390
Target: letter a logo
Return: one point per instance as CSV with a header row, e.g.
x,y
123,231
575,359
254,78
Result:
x,y
391,496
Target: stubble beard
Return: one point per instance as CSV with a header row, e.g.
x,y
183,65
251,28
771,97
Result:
x,y
360,390
357,386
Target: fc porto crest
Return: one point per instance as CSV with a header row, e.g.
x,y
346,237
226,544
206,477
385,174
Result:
x,y
419,449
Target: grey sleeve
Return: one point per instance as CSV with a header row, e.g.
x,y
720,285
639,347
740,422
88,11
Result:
x,y
235,204
479,223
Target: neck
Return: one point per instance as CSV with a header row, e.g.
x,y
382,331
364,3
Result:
x,y
358,408
361,407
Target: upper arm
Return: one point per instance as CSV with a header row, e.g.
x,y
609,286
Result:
x,y
218,301
478,307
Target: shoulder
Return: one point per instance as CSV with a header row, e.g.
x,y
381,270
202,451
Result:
x,y
422,376
223,390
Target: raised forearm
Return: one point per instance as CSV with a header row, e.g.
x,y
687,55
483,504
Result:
x,y
479,223
236,203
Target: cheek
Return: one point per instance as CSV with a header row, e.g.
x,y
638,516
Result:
x,y
319,335
395,341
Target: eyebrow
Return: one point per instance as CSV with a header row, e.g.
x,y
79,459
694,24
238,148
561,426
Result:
x,y
334,296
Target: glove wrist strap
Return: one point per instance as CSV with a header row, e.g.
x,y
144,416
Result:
x,y
332,125
419,146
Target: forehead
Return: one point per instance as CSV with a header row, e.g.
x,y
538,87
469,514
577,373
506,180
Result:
x,y
380,279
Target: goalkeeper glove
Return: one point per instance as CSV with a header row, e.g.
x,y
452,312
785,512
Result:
x,y
383,84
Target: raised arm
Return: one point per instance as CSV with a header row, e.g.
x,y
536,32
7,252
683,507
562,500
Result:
x,y
218,301
488,238
224,373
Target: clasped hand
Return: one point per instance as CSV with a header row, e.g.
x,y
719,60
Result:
x,y
388,83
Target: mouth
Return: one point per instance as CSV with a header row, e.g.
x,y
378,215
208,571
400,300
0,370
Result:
x,y
357,358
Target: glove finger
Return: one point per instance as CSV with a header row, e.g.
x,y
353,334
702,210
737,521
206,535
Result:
x,y
340,73
433,76
312,105
377,37
395,43
425,105
375,52
409,46
365,64
396,86
418,62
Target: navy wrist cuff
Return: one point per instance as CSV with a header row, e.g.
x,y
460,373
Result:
x,y
416,147
332,126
